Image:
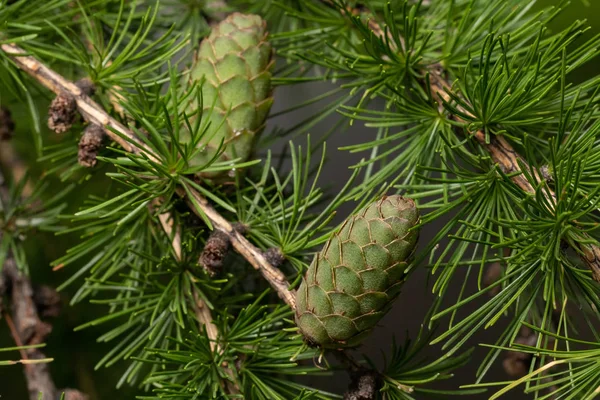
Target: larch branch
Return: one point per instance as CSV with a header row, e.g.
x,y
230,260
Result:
x,y
499,149
252,254
94,113
89,109
509,161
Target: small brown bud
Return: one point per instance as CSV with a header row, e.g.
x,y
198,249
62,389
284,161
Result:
x,y
62,113
89,145
240,228
274,256
7,125
516,363
87,86
47,301
363,386
214,252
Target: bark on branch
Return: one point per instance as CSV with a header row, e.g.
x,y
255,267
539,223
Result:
x,y
252,254
28,329
22,316
88,108
509,161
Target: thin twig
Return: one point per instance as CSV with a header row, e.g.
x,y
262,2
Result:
x,y
166,221
251,253
88,108
25,324
28,330
93,113
14,333
201,309
509,161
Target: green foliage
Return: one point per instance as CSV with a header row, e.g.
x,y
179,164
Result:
x,y
256,342
439,85
25,210
406,372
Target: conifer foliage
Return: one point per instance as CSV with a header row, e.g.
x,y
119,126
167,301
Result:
x,y
223,266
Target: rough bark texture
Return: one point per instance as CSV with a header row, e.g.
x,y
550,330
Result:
x,y
30,330
22,314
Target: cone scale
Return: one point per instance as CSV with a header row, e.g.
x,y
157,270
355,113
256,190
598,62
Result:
x,y
352,282
235,64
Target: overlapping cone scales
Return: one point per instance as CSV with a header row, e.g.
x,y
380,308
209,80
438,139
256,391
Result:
x,y
352,282
236,62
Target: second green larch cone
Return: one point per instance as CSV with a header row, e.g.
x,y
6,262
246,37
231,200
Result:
x,y
353,281
235,61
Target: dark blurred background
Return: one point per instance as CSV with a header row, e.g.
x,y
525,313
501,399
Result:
x,y
75,354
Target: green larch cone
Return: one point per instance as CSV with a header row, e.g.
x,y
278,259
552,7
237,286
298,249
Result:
x,y
235,61
353,281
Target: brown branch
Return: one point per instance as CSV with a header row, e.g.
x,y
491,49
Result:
x,y
251,253
28,329
93,113
88,108
26,306
202,310
168,225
